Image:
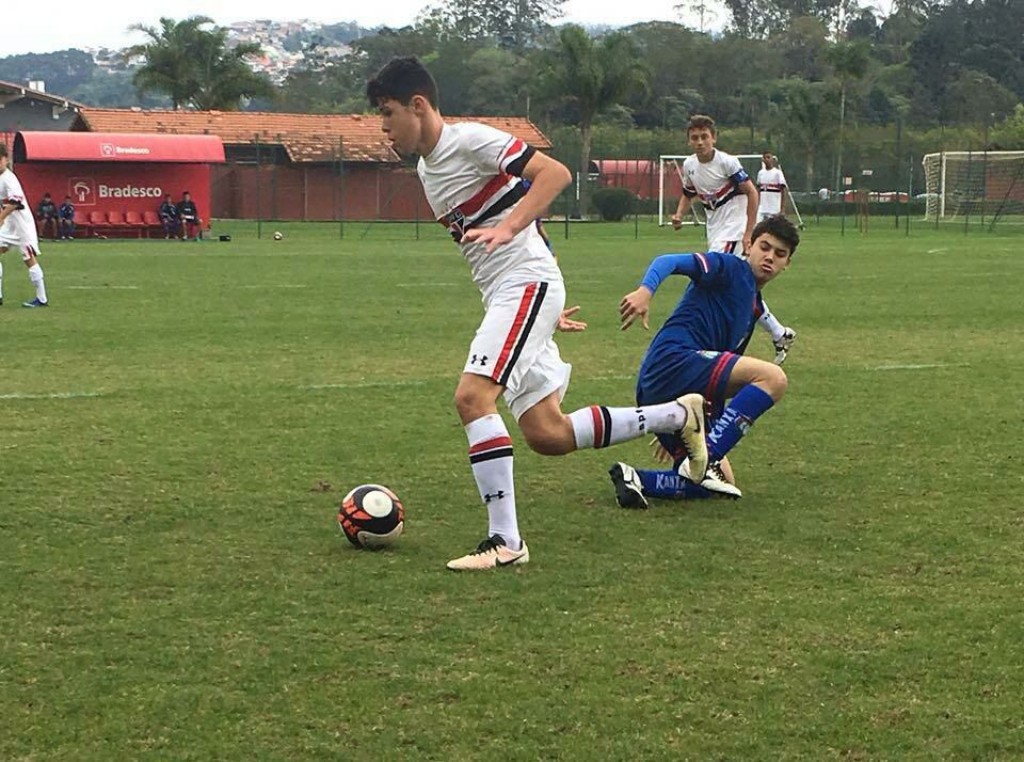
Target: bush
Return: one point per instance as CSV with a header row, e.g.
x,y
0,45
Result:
x,y
614,203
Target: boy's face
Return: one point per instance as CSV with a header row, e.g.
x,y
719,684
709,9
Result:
x,y
702,141
402,124
768,257
769,161
3,163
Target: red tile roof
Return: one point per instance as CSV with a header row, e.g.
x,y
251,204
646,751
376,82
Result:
x,y
305,137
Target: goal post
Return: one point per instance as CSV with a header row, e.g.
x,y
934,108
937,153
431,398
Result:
x,y
988,185
670,181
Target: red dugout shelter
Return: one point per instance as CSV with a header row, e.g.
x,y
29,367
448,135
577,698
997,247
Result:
x,y
126,174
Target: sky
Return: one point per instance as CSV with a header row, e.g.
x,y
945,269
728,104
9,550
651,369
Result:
x,y
104,23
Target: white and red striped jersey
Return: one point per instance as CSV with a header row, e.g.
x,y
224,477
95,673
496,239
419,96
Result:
x,y
20,225
716,183
770,184
472,179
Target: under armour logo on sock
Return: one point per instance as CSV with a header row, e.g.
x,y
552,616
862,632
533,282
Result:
x,y
496,496
480,360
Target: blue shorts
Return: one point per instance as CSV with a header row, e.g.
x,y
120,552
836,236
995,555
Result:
x,y
684,372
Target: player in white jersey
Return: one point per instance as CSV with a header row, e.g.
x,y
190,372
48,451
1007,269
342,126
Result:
x,y
472,177
731,200
18,228
771,185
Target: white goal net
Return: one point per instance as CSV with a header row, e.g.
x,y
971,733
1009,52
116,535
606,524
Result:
x,y
670,188
987,185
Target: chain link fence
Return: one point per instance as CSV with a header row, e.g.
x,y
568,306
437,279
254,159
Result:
x,y
875,177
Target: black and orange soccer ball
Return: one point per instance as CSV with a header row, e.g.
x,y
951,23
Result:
x,y
371,516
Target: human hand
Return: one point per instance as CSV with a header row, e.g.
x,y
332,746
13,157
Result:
x,y
635,304
748,244
566,325
492,238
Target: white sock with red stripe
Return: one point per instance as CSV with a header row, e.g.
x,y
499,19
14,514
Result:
x,y
770,323
490,455
599,426
35,274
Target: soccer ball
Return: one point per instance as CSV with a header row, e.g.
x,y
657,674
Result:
x,y
278,235
371,516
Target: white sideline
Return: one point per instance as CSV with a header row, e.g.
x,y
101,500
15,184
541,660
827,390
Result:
x,y
53,396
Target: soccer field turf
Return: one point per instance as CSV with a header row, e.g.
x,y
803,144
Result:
x,y
177,429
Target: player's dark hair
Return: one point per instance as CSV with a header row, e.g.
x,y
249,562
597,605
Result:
x,y
400,79
780,226
699,122
3,149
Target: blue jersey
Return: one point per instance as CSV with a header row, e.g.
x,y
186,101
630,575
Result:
x,y
716,314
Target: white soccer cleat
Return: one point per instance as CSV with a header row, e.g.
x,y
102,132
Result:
x,y
714,480
783,345
492,553
693,432
629,492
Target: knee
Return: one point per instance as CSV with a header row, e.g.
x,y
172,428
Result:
x,y
775,382
467,403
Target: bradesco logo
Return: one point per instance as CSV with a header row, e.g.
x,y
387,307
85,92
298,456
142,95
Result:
x,y
113,150
83,191
129,191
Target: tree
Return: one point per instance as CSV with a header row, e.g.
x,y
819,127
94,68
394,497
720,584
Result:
x,y
806,120
194,66
594,75
850,62
512,24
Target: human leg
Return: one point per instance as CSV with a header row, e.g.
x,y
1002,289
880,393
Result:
x,y
754,387
35,275
634,485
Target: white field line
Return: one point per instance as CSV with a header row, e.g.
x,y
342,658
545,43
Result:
x,y
52,396
102,288
274,285
427,285
922,366
365,385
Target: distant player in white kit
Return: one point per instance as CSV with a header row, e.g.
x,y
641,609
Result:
x,y
472,176
771,186
731,201
18,228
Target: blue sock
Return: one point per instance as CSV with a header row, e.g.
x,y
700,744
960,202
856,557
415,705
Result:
x,y
669,485
745,408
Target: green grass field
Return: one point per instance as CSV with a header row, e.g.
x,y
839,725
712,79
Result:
x,y
177,429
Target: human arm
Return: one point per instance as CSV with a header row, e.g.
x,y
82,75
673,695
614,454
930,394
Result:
x,y
685,202
637,303
747,189
548,178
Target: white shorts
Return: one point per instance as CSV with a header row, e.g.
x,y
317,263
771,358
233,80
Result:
x,y
514,346
27,249
726,247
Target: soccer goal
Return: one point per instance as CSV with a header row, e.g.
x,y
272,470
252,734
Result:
x,y
670,181
988,185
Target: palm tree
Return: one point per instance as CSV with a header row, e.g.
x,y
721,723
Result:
x,y
595,75
850,62
193,65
